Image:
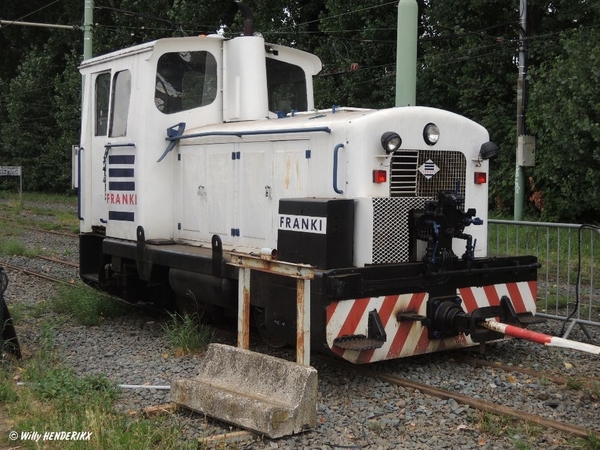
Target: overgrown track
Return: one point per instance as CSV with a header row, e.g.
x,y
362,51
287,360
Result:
x,y
478,404
34,273
40,230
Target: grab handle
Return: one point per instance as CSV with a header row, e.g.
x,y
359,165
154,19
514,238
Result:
x,y
335,168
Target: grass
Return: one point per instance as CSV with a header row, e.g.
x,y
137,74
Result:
x,y
85,305
591,442
523,434
45,217
556,248
53,398
185,334
575,384
15,247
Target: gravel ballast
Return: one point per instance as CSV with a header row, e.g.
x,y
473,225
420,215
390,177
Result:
x,y
353,411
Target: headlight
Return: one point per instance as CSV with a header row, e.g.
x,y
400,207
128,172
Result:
x,y
488,150
431,133
390,141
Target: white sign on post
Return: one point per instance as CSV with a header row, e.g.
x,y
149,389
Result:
x,y
10,171
13,171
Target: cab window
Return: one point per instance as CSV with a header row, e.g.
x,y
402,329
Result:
x,y
185,80
102,94
121,89
286,86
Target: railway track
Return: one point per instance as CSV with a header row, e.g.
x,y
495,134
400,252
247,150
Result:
x,y
34,273
39,230
44,256
478,404
43,267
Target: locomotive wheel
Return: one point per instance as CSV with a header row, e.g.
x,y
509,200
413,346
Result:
x,y
269,338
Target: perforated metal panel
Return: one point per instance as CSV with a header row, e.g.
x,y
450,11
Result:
x,y
390,228
453,166
407,181
410,189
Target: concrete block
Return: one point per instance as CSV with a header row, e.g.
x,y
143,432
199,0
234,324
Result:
x,y
258,392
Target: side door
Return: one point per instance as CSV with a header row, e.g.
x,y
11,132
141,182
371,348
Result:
x,y
118,161
101,102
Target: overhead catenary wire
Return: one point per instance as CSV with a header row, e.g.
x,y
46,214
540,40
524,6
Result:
x,y
30,14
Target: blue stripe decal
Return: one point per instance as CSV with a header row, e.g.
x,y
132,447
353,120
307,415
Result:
x,y
121,159
121,186
120,173
121,215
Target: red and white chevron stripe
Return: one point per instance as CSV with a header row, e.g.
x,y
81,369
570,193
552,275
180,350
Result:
x,y
407,338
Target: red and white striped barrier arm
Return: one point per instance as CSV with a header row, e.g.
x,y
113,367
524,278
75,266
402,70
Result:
x,y
538,338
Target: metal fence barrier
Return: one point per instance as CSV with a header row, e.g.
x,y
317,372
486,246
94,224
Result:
x,y
569,280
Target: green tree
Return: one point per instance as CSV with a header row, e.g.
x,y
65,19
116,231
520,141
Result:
x,y
467,66
564,114
358,54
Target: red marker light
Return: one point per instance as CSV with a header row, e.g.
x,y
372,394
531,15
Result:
x,y
379,176
480,177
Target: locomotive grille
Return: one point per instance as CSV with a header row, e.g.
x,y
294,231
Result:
x,y
406,181
410,189
390,228
403,174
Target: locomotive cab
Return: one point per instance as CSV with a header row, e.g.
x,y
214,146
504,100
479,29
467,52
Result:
x,y
132,96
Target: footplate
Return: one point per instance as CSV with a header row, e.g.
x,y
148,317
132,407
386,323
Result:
x,y
528,318
358,342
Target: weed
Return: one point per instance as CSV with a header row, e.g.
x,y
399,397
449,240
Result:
x,y
15,247
521,445
17,312
374,425
544,381
8,393
186,334
574,384
87,306
591,442
60,384
493,424
53,398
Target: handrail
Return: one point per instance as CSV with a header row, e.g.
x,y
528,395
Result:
x,y
109,145
335,168
249,133
175,134
79,152
544,224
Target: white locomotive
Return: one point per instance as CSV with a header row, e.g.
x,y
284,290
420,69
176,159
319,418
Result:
x,y
194,148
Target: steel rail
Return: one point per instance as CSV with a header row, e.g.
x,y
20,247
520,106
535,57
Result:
x,y
59,261
144,307
35,274
39,230
481,405
58,233
475,362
